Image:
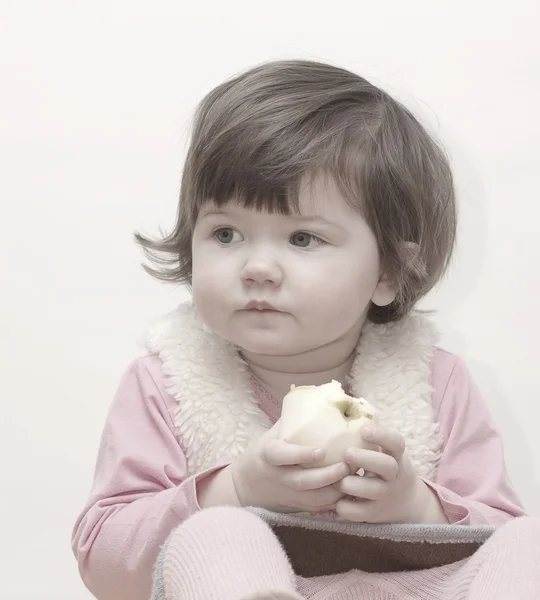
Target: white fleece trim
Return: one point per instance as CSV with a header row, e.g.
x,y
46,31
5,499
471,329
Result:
x,y
218,414
392,370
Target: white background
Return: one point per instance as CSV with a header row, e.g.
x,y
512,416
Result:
x,y
95,102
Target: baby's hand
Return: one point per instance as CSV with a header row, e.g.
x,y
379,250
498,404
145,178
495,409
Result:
x,y
268,475
393,493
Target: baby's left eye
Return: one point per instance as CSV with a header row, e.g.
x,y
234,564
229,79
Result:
x,y
305,240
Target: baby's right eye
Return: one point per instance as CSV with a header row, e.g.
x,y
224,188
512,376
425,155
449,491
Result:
x,y
226,235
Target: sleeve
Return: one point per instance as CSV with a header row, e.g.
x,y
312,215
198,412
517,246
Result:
x,y
471,481
141,492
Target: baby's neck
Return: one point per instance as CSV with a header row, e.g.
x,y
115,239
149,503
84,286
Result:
x,y
277,374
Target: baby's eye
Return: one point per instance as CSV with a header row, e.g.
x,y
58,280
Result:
x,y
305,240
226,235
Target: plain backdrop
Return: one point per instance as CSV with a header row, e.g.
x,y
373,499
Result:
x,y
95,104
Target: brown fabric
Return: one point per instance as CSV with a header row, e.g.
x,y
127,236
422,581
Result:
x,y
313,553
317,546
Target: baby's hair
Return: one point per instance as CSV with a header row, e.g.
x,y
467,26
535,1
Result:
x,y
258,135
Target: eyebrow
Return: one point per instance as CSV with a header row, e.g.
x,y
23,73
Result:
x,y
207,213
314,219
318,219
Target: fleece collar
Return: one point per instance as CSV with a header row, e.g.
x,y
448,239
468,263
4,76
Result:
x,y
218,413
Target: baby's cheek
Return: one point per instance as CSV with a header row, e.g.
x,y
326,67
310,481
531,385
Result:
x,y
206,291
337,297
211,294
209,308
208,276
337,310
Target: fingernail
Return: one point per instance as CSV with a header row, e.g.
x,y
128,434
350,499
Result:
x,y
318,453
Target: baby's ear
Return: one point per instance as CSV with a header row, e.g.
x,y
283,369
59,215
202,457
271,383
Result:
x,y
385,292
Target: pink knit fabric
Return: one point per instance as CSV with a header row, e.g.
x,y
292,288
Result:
x,y
226,554
229,554
142,491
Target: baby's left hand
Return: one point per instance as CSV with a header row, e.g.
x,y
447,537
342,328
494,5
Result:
x,y
393,493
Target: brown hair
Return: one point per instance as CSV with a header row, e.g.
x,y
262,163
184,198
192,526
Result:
x,y
257,135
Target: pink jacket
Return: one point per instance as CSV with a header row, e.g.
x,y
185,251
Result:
x,y
141,490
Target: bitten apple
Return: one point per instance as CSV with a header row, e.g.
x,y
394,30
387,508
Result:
x,y
325,417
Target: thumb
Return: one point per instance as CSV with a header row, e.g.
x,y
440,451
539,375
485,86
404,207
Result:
x,y
274,431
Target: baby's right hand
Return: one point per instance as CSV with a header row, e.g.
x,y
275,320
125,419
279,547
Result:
x,y
268,475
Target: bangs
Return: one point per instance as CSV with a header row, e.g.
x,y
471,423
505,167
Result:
x,y
250,191
267,173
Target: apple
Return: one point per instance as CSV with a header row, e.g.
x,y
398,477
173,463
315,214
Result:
x,y
325,417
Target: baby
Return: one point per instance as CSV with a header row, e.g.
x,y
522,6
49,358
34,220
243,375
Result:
x,y
315,211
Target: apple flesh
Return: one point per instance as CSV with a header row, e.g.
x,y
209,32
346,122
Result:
x,y
325,417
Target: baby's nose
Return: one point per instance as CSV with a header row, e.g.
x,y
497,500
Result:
x,y
260,271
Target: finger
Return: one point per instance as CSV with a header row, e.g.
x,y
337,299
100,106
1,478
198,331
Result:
x,y
322,500
382,465
360,511
365,488
323,509
279,453
390,440
315,478
311,507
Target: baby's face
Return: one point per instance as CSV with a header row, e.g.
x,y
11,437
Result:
x,y
283,285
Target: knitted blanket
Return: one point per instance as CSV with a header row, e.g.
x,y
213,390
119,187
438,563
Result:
x,y
317,546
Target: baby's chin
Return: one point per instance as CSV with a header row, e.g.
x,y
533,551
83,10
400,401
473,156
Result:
x,y
272,348
282,341
275,350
